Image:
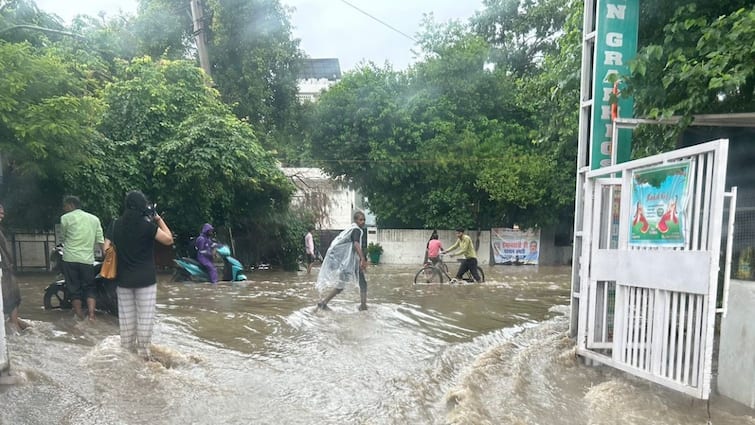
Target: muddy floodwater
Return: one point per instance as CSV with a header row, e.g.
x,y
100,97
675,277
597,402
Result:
x,y
259,353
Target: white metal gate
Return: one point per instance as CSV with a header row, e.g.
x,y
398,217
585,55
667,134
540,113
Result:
x,y
4,357
649,310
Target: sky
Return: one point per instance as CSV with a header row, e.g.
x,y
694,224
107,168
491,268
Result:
x,y
329,28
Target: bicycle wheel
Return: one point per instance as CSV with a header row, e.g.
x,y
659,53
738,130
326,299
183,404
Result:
x,y
428,274
482,274
469,278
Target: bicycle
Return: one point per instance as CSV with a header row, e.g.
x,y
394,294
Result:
x,y
436,273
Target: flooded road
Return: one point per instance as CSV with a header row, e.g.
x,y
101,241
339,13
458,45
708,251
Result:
x,y
259,353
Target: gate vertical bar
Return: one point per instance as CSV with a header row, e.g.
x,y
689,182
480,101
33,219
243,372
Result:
x,y
680,336
696,214
729,242
673,334
619,324
690,334
708,198
666,299
656,339
699,299
4,354
718,189
644,333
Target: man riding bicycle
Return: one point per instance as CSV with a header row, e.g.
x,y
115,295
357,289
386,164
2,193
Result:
x,y
466,248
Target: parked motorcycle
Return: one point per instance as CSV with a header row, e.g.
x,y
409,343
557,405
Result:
x,y
58,297
189,269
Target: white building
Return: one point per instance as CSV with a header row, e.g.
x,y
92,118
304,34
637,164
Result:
x,y
316,76
331,200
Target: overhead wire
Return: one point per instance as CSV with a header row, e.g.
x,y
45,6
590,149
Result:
x,y
380,21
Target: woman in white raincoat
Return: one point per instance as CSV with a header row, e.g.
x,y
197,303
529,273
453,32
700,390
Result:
x,y
345,263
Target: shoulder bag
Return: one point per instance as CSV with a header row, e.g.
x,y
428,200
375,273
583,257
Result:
x,y
109,268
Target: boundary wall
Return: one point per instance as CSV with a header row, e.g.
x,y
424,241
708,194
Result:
x,y
736,351
407,246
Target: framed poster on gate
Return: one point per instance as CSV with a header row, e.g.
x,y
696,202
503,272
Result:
x,y
659,205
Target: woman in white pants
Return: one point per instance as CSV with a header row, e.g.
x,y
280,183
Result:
x,y
133,235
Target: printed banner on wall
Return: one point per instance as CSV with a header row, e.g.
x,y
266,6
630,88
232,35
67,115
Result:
x,y
515,246
659,199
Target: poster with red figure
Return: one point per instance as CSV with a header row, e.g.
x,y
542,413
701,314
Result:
x,y
659,205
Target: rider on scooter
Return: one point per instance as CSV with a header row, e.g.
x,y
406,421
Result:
x,y
205,247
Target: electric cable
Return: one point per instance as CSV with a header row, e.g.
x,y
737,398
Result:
x,y
381,21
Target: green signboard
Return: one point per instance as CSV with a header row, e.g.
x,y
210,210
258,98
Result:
x,y
615,45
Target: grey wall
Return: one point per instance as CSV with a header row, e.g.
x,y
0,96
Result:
x,y
407,246
736,356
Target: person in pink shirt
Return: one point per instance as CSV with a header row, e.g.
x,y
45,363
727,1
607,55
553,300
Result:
x,y
434,246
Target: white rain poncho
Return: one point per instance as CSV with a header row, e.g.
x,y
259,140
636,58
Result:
x,y
341,264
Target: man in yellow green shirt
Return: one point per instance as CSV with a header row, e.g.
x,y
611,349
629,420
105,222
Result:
x,y
80,231
466,248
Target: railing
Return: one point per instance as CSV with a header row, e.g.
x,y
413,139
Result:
x,y
31,251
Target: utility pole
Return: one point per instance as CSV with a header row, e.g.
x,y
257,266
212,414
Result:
x,y
199,34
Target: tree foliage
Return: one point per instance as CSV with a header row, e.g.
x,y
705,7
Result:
x,y
696,59
521,32
47,126
706,64
79,113
199,161
255,61
444,144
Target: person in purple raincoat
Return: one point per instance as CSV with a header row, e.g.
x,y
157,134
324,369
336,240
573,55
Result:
x,y
205,247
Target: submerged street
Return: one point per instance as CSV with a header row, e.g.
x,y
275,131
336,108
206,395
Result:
x,y
259,353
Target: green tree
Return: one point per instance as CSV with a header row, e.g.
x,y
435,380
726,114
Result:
x,y
255,62
696,58
705,63
164,28
47,129
213,169
197,160
444,144
22,21
521,32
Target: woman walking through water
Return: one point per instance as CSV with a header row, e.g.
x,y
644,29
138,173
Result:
x,y
134,234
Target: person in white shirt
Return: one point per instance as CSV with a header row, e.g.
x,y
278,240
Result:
x,y
309,247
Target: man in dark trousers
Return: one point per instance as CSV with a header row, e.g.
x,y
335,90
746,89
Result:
x,y
80,232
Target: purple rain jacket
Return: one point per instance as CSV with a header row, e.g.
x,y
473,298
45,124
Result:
x,y
203,243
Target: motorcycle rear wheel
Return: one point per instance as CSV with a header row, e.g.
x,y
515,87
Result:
x,y
56,297
179,275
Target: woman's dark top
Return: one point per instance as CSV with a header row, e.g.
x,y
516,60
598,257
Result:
x,y
134,240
